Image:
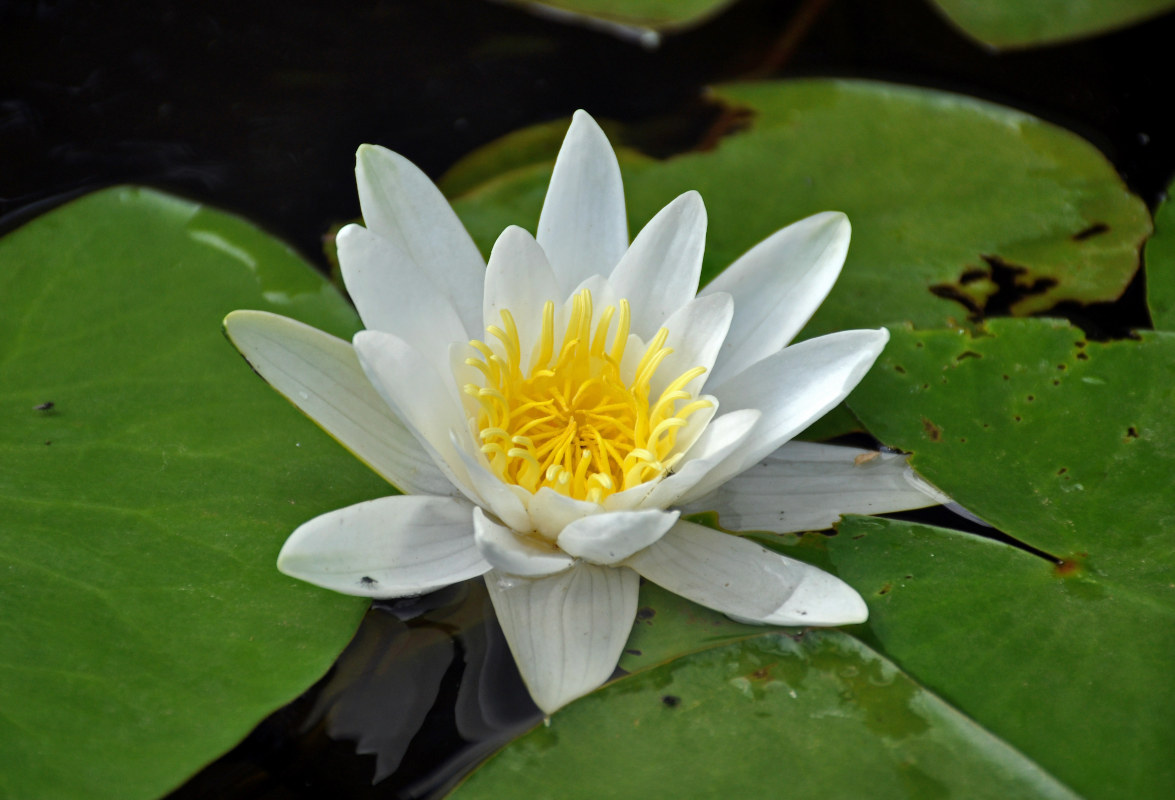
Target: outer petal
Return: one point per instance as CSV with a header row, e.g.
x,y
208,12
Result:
x,y
513,555
390,547
613,536
393,294
408,383
566,631
792,388
519,280
738,577
583,228
806,487
777,286
321,375
659,272
401,204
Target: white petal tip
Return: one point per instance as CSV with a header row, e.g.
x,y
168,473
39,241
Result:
x,y
821,600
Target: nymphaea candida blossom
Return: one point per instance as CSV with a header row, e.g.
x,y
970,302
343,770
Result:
x,y
551,414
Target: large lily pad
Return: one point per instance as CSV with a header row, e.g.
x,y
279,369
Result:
x,y
148,483
1015,23
815,716
1067,445
1160,266
960,208
1071,667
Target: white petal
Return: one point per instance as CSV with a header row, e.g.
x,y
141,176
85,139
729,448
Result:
x,y
583,228
738,577
723,436
390,547
320,374
551,512
793,388
514,555
696,331
613,536
401,204
566,631
518,280
659,273
409,383
777,286
393,294
807,487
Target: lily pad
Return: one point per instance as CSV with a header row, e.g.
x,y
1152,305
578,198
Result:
x,y
655,15
818,715
1069,666
1014,23
960,208
1067,445
1160,266
1064,443
149,483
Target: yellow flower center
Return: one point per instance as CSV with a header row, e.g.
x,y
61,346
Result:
x,y
572,422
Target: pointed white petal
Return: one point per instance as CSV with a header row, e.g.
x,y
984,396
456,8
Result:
x,y
393,294
583,228
777,286
738,577
723,436
696,331
320,374
514,555
611,537
551,512
807,487
390,547
793,388
518,280
401,204
409,383
659,273
566,631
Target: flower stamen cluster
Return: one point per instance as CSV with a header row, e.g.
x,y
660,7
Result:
x,y
572,421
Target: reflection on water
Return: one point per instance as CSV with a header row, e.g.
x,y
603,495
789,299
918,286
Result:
x,y
425,691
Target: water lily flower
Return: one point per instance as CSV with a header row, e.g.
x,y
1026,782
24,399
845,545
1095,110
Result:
x,y
549,415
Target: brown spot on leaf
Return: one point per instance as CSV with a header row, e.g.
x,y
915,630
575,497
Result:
x,y
1131,433
932,430
885,589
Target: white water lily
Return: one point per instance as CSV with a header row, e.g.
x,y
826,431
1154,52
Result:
x,y
550,414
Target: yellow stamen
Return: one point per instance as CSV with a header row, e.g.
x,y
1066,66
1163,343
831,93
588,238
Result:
x,y
570,422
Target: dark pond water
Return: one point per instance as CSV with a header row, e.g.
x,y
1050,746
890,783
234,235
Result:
x,y
258,108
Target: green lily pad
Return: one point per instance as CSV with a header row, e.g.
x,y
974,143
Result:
x,y
149,483
658,15
1160,266
1067,445
960,208
1014,23
819,715
1072,667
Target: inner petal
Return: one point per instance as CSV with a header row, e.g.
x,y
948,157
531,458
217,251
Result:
x,y
576,415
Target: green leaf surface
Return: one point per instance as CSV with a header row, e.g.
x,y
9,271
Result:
x,y
815,716
1064,443
1160,266
1068,445
1072,667
653,14
1015,23
146,628
959,207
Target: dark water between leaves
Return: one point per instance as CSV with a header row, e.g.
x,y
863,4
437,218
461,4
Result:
x,y
259,108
